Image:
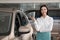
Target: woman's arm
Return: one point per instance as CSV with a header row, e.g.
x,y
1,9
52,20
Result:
x,y
36,24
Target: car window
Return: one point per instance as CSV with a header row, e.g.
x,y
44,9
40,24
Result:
x,y
24,19
54,13
34,13
5,22
17,24
17,21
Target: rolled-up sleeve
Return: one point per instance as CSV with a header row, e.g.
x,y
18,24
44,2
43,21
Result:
x,y
36,24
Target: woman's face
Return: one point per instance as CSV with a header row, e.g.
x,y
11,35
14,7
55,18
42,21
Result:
x,y
44,11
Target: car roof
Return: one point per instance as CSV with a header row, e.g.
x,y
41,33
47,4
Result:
x,y
6,9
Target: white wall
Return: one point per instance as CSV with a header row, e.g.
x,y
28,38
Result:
x,y
28,1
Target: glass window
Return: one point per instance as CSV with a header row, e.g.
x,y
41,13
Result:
x,y
24,19
54,13
5,22
17,24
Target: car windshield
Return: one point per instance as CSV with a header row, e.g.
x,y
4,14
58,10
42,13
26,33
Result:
x,y
5,22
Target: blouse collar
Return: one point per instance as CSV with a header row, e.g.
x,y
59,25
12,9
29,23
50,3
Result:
x,y
45,17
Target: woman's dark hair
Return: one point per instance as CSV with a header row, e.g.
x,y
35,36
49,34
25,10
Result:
x,y
40,9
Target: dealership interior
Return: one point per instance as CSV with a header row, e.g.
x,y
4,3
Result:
x,y
30,9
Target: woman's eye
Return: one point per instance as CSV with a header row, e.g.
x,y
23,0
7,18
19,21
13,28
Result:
x,y
45,9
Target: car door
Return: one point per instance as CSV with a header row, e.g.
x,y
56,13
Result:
x,y
19,23
22,26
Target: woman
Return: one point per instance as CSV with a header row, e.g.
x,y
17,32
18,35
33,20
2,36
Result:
x,y
43,24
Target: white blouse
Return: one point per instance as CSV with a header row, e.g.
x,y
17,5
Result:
x,y
44,24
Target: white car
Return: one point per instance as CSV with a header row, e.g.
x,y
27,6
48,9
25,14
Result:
x,y
14,25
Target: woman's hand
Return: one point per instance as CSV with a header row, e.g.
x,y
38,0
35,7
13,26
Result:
x,y
32,18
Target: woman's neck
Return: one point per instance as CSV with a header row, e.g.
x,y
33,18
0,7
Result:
x,y
44,16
